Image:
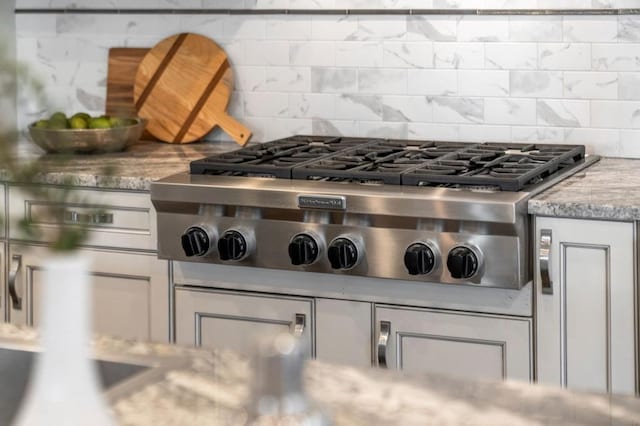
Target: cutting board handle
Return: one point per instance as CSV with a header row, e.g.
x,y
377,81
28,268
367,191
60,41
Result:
x,y
233,128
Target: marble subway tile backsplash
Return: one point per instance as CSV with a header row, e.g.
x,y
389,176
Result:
x,y
541,79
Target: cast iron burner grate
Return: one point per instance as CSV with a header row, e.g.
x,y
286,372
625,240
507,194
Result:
x,y
275,158
506,167
479,166
381,162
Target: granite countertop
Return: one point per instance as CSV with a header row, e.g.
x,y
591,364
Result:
x,y
609,189
133,169
213,386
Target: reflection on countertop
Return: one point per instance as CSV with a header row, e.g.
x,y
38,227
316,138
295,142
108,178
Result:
x,y
212,388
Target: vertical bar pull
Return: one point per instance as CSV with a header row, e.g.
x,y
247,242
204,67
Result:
x,y
16,263
299,325
544,257
383,339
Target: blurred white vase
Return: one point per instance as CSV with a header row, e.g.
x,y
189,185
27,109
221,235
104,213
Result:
x,y
64,388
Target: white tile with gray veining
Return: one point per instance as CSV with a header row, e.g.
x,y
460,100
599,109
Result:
x,y
615,56
458,110
483,82
359,107
458,55
538,84
485,28
563,113
629,85
610,189
518,56
334,27
407,54
589,29
407,109
591,85
564,56
359,54
510,111
378,129
431,82
333,80
383,82
535,28
435,28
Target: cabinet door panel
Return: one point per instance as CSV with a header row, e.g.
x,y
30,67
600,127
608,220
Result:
x,y
437,354
236,320
129,292
586,326
343,332
456,344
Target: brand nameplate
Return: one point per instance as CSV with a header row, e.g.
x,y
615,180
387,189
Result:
x,y
333,202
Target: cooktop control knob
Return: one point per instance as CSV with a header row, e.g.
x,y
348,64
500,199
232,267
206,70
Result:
x,y
232,245
419,259
462,262
303,250
196,241
342,253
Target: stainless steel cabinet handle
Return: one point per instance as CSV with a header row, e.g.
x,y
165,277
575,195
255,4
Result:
x,y
299,325
16,262
383,339
544,257
84,218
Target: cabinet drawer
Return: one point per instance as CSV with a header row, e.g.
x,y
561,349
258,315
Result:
x,y
126,219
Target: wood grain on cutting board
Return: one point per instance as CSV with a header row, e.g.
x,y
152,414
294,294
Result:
x,y
121,74
183,86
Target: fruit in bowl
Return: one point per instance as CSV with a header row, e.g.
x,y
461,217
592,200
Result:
x,y
83,133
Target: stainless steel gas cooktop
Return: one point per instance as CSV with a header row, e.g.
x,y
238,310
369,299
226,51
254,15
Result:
x,y
427,211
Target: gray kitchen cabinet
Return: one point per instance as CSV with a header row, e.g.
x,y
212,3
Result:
x,y
4,299
130,284
229,320
130,291
124,219
343,332
457,344
585,298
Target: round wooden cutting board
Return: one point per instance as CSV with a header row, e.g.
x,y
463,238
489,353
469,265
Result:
x,y
183,86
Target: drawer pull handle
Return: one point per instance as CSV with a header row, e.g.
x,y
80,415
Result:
x,y
299,325
383,340
73,216
16,263
545,261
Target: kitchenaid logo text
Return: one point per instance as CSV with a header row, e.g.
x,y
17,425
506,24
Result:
x,y
322,202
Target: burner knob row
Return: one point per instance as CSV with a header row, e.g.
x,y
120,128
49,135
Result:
x,y
343,252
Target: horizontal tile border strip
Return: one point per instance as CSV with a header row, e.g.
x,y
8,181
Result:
x,y
339,12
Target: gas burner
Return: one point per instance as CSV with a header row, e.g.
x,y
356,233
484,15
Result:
x,y
507,167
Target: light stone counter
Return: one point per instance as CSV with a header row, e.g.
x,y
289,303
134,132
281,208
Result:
x,y
133,169
609,189
214,385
